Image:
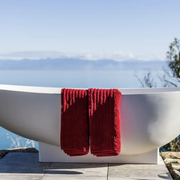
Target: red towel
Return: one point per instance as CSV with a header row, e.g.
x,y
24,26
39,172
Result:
x,y
104,121
74,122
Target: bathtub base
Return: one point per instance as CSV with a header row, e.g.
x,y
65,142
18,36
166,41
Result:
x,y
50,153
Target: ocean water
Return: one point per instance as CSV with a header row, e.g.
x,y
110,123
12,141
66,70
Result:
x,y
69,79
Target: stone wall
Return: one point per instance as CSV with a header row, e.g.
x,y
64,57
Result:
x,y
22,149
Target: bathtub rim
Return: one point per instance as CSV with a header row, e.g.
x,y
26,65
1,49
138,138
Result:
x,y
55,90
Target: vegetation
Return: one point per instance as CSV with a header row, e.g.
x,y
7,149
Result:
x,y
170,78
174,58
18,142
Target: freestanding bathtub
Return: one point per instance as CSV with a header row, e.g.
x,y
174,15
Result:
x,y
149,119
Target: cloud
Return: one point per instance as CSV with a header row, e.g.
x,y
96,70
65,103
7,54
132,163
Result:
x,y
117,56
152,57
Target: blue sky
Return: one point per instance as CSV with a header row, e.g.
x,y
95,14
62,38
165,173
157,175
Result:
x,y
89,29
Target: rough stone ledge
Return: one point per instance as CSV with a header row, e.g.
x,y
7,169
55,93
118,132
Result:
x,y
172,162
21,149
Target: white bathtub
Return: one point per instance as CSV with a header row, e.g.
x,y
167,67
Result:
x,y
149,118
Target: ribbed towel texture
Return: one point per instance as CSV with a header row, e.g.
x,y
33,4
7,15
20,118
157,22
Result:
x,y
90,114
104,121
74,122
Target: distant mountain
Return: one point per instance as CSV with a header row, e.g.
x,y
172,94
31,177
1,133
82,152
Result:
x,y
79,64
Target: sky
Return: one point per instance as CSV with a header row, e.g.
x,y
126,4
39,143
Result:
x,y
88,29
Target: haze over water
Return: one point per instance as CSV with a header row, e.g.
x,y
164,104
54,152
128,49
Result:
x,y
74,79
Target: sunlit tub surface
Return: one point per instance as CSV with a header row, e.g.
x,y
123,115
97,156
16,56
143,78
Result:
x,y
149,117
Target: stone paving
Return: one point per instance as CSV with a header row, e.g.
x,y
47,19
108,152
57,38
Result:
x,y
25,166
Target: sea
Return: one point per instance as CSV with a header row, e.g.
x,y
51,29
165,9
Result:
x,y
68,79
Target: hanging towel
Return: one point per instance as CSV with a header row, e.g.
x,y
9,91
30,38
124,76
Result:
x,y
104,121
74,122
